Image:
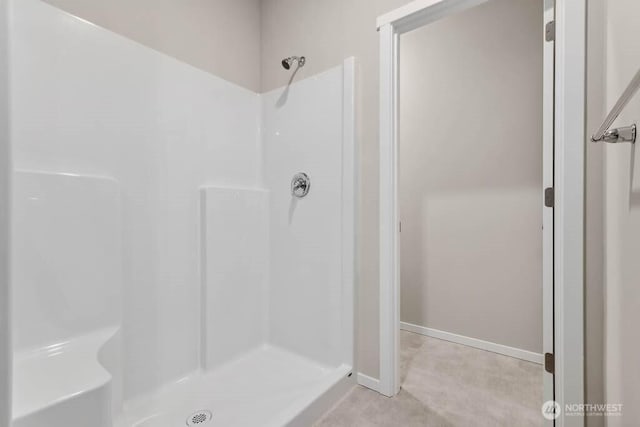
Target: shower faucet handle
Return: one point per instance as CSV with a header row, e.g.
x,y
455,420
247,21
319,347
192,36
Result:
x,y
300,185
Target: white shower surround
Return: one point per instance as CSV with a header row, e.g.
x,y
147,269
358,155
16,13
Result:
x,y
181,170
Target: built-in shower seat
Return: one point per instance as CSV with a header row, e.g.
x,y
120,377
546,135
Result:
x,y
63,384
66,298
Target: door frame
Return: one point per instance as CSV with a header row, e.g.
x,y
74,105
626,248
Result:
x,y
564,276
5,173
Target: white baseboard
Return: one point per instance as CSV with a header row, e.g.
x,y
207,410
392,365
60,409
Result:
x,y
369,382
473,342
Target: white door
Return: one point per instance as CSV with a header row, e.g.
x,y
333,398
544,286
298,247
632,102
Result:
x,y
548,201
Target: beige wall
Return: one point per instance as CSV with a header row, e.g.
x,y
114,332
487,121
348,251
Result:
x,y
594,237
622,219
471,174
5,365
219,36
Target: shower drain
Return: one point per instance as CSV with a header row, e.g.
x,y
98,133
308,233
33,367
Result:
x,y
199,418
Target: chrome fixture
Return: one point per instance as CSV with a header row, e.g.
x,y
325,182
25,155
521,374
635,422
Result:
x,y
623,134
300,185
287,62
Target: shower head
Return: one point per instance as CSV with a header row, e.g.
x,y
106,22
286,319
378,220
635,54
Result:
x,y
287,62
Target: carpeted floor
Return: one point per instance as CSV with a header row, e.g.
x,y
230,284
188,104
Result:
x,y
449,385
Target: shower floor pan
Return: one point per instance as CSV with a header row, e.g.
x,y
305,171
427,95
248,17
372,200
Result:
x,y
268,387
67,386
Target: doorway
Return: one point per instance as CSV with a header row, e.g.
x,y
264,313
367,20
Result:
x,y
470,241
560,198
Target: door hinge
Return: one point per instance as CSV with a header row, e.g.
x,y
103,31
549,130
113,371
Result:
x,y
550,31
549,197
549,363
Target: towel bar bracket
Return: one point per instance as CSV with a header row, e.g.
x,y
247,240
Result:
x,y
614,136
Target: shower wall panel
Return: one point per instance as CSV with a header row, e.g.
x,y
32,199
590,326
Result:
x,y
235,232
67,277
303,127
89,102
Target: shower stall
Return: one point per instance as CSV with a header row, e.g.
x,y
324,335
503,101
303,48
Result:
x,y
182,248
